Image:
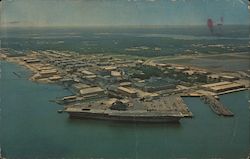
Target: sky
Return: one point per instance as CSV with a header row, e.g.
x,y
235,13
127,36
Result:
x,y
121,12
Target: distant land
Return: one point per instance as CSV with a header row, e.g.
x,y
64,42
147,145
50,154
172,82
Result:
x,y
136,41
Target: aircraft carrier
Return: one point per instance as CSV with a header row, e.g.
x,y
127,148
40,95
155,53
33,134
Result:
x,y
126,116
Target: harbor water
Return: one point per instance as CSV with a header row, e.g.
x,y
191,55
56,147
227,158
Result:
x,y
30,127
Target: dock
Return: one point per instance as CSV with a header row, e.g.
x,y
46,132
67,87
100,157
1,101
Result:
x,y
216,106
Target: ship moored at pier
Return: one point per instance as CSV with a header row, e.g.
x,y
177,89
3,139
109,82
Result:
x,y
126,116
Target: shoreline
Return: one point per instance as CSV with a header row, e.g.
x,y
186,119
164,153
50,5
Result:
x,y
44,71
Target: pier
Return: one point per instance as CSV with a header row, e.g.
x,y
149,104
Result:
x,y
216,106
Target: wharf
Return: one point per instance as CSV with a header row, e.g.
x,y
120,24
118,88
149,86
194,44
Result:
x,y
216,106
232,91
200,93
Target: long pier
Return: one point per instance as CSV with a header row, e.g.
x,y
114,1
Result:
x,y
216,106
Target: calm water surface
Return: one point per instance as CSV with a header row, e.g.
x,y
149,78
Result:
x,y
31,128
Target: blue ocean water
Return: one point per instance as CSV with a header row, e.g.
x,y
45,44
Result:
x,y
30,127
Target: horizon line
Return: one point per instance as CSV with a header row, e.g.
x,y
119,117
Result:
x,y
114,26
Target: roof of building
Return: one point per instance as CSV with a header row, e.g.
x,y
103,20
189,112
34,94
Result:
x,y
216,84
91,90
125,83
87,72
56,77
115,73
130,91
180,68
48,71
80,86
227,86
45,68
109,67
228,77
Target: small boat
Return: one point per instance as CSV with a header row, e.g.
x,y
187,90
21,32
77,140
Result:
x,y
59,111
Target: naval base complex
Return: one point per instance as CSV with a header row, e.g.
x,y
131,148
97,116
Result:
x,y
121,88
